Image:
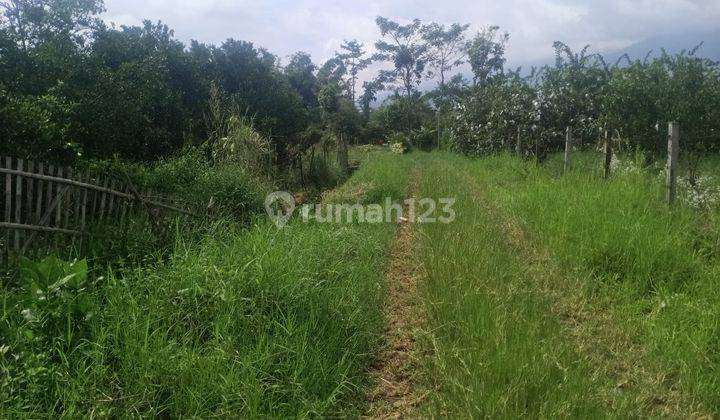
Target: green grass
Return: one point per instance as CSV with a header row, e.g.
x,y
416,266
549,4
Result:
x,y
255,322
497,350
654,268
251,321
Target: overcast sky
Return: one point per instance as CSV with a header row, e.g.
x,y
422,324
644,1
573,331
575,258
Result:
x,y
318,27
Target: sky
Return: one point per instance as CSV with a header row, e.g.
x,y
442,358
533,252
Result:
x,y
318,27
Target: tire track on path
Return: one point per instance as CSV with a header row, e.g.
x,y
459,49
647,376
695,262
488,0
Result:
x,y
394,373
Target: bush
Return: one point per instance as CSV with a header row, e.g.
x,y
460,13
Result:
x,y
229,188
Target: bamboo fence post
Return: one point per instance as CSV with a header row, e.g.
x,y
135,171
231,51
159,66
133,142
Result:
x,y
49,193
102,200
83,209
94,205
8,203
69,205
18,203
29,192
38,199
111,204
58,213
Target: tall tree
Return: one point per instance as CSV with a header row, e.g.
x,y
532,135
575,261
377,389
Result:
x,y
332,71
33,22
341,118
301,76
447,48
354,60
406,49
486,53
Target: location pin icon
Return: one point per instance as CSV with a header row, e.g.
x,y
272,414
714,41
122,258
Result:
x,y
281,212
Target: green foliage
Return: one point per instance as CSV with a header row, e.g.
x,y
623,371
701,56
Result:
x,y
37,126
57,56
233,139
487,120
55,297
406,50
447,48
486,54
403,114
354,60
644,96
45,316
635,102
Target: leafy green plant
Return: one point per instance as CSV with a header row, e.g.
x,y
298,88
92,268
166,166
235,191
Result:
x,y
56,297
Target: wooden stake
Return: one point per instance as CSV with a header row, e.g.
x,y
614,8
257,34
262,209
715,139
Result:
x,y
673,153
568,148
83,209
518,144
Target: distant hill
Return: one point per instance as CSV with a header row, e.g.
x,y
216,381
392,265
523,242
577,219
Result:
x,y
673,44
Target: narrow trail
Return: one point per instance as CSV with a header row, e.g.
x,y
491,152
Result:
x,y
395,394
620,365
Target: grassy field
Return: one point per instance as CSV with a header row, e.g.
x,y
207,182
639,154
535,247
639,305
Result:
x,y
550,295
570,295
653,271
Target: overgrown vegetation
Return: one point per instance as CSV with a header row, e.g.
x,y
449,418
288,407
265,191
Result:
x,y
555,293
251,322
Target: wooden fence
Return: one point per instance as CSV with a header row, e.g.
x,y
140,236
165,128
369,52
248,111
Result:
x,y
45,204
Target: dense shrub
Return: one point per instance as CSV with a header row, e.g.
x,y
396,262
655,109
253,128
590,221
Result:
x,y
633,100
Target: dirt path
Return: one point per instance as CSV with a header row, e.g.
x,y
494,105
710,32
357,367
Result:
x,y
621,366
395,394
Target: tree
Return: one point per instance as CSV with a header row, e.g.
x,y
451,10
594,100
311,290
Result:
x,y
486,54
342,119
251,75
332,71
406,49
447,48
370,90
301,76
33,22
354,62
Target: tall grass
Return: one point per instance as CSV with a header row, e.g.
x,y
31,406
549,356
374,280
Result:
x,y
246,322
655,268
497,349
